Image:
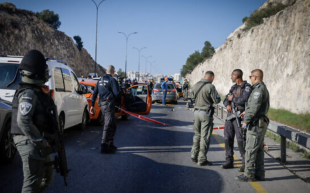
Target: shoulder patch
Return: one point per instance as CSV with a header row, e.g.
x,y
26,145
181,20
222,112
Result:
x,y
25,108
256,95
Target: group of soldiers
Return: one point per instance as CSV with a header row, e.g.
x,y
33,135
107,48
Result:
x,y
252,105
33,123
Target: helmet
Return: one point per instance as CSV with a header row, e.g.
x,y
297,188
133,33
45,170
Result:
x,y
33,68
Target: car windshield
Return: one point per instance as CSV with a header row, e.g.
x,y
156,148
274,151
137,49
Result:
x,y
158,86
7,74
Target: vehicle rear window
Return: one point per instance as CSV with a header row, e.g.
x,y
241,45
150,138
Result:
x,y
158,86
7,74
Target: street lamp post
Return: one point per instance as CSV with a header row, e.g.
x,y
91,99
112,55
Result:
x,y
139,50
97,6
151,66
127,36
146,62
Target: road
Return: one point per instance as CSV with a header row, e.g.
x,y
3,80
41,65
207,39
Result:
x,y
151,158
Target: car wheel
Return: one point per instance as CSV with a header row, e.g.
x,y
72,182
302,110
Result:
x,y
83,124
125,117
153,102
7,146
175,102
100,119
61,123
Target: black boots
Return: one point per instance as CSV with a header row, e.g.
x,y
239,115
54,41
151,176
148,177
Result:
x,y
105,148
228,165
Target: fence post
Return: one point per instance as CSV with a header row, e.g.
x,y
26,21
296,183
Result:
x,y
222,113
283,149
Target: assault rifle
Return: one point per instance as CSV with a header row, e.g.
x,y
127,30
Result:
x,y
56,142
236,115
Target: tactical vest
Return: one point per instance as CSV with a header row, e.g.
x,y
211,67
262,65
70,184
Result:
x,y
42,119
238,92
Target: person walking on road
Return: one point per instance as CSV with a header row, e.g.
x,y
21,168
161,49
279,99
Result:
x,y
164,87
185,89
151,85
108,90
205,95
237,97
31,121
256,122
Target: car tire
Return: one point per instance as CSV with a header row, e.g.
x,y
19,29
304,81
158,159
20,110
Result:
x,y
125,117
61,122
153,102
175,102
7,146
83,124
100,119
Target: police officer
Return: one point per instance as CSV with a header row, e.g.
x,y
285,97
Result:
x,y
238,96
185,89
256,122
30,120
108,90
205,95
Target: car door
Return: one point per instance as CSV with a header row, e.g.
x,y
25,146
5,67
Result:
x,y
79,98
142,102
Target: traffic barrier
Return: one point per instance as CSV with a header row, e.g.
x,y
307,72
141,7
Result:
x,y
157,122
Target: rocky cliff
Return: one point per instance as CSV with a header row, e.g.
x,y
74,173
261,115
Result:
x,y
280,47
21,31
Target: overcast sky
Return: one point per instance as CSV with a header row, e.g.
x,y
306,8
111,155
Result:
x,y
170,29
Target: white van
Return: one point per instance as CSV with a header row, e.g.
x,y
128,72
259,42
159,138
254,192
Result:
x,y
66,91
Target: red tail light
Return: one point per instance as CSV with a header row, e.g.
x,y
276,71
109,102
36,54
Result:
x,y
52,94
173,90
155,90
13,61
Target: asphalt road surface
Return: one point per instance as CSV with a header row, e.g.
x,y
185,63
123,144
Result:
x,y
151,158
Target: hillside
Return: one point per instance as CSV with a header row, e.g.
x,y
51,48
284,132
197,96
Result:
x,y
21,31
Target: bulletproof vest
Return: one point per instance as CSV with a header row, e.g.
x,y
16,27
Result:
x,y
238,92
42,119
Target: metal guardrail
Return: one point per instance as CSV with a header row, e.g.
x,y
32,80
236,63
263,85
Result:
x,y
285,133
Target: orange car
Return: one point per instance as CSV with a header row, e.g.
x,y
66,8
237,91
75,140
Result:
x,y
140,104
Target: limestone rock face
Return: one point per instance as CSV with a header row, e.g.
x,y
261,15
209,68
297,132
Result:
x,y
21,31
280,47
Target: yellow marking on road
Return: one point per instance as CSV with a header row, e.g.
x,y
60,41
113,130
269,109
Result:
x,y
256,185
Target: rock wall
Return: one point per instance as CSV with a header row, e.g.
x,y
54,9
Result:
x,y
21,31
280,47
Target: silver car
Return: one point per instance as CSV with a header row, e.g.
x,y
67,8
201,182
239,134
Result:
x,y
157,94
7,147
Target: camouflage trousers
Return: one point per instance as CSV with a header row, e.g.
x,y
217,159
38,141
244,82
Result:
x,y
203,127
254,156
37,176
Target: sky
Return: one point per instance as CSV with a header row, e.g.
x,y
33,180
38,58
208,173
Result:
x,y
171,30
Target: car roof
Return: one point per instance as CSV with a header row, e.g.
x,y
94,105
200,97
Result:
x,y
10,59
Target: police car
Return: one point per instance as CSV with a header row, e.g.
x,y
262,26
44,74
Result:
x,y
65,89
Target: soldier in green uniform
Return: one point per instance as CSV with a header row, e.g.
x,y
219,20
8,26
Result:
x,y
205,95
31,121
256,122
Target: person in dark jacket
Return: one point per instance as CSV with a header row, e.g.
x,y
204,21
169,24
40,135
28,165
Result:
x,y
31,120
108,90
185,89
238,96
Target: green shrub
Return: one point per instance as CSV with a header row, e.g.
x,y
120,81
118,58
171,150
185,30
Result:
x,y
256,18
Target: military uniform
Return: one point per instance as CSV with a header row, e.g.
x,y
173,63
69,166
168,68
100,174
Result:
x,y
257,122
241,94
108,90
29,121
203,120
185,90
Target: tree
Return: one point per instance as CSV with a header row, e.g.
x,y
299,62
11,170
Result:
x,y
78,42
121,73
49,17
208,50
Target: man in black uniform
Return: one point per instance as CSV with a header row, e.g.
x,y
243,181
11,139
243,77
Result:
x,y
108,90
185,89
237,97
32,121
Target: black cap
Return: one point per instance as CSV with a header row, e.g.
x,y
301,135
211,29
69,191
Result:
x,y
35,63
